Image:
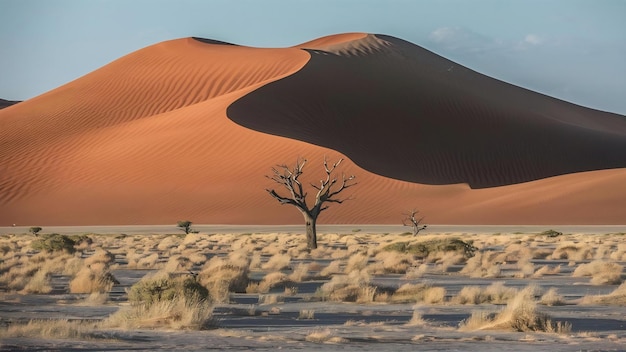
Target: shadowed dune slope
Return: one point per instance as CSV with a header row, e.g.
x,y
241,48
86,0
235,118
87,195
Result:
x,y
6,103
401,111
146,140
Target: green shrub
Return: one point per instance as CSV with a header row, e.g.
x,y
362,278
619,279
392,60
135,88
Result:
x,y
164,287
424,248
551,233
54,242
185,225
35,230
79,239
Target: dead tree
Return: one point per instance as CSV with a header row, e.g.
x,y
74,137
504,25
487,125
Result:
x,y
327,192
411,219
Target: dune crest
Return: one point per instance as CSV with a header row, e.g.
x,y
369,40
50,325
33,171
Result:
x,y
150,139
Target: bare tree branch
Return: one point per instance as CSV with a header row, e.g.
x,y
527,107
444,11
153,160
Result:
x,y
413,221
328,190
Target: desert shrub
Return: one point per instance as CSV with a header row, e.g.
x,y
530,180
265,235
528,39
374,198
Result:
x,y
617,297
419,293
484,264
165,287
101,256
552,298
93,278
184,225
83,240
35,230
496,293
54,242
424,248
551,233
520,314
177,313
601,272
221,277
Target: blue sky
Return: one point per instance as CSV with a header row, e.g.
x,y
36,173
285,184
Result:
x,y
570,49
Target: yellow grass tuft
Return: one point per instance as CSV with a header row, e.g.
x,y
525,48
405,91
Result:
x,y
601,272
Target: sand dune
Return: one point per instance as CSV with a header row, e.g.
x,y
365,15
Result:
x,y
403,112
6,103
150,138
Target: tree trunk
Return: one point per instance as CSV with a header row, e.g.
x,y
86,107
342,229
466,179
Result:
x,y
311,232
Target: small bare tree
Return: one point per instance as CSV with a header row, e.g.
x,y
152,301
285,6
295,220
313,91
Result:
x,y
327,192
411,219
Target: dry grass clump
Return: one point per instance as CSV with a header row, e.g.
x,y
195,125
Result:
x,y
520,314
482,265
50,329
547,270
573,252
163,300
552,298
357,262
617,297
415,272
416,318
419,293
268,282
31,274
333,267
178,313
324,336
38,283
353,287
100,256
619,254
93,278
601,272
178,263
526,268
391,263
221,277
277,262
496,293
300,272
148,262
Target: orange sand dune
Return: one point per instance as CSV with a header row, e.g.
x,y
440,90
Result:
x,y
147,140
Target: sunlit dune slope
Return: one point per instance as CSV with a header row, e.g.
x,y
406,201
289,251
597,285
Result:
x,y
147,140
401,111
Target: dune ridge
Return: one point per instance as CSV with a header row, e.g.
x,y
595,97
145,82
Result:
x,y
6,103
437,122
150,139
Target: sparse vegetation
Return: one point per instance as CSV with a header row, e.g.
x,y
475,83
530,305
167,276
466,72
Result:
x,y
54,242
352,273
424,248
35,230
184,225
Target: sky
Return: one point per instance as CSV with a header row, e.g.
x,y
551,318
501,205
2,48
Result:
x,y
570,49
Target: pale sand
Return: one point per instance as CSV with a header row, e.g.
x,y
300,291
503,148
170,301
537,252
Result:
x,y
246,323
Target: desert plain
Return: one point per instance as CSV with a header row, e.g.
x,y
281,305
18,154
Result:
x,y
529,290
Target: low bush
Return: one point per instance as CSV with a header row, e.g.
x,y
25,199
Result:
x,y
424,248
54,242
165,287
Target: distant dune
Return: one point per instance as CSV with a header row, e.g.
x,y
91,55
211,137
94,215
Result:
x,y
187,129
6,103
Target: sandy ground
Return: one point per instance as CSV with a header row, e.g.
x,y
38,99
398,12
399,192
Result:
x,y
275,319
